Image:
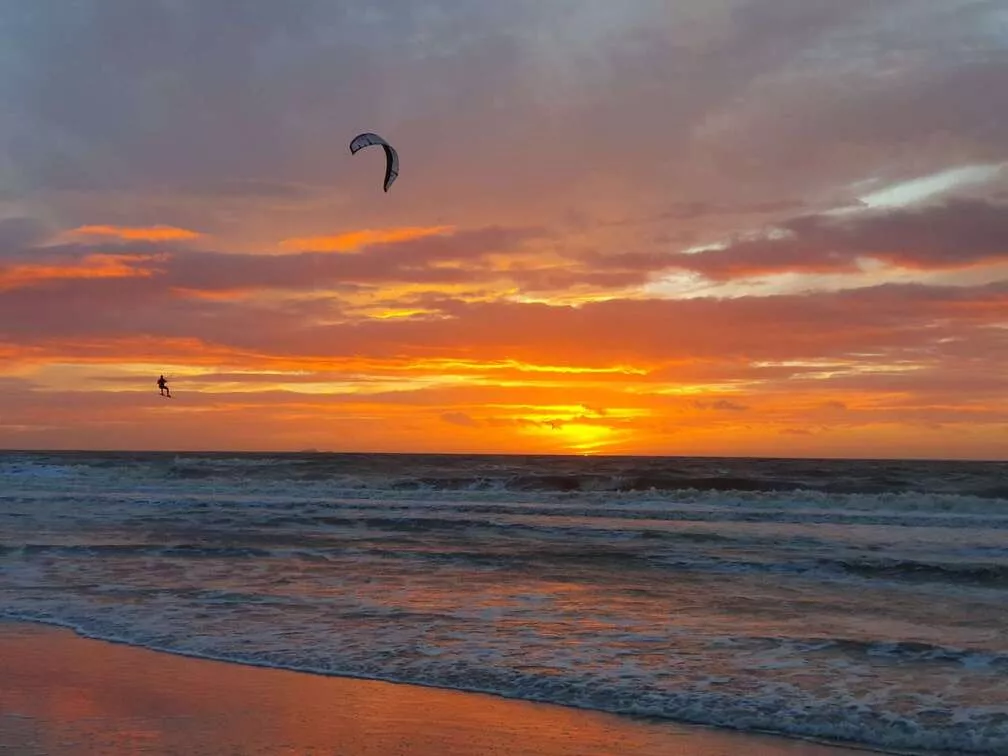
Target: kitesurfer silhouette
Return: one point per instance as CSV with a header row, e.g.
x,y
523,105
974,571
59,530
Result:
x,y
163,385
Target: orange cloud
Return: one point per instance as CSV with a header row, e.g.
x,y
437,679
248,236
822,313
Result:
x,y
871,369
356,239
92,266
137,233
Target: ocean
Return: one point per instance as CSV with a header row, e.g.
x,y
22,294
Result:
x,y
859,600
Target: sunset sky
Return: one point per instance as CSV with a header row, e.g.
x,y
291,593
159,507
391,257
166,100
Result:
x,y
700,227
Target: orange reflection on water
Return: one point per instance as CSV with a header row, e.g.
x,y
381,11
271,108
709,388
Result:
x,y
65,695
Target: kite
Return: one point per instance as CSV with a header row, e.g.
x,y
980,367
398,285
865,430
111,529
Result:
x,y
368,139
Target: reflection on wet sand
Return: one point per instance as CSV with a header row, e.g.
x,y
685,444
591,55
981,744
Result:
x,y
62,694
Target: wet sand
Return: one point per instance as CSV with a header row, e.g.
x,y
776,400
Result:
x,y
63,694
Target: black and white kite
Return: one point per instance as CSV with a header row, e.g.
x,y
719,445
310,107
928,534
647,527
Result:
x,y
368,139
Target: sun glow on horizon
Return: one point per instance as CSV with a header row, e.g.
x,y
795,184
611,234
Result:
x,y
720,250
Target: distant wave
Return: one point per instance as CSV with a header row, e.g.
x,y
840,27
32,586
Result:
x,y
977,574
411,472
114,550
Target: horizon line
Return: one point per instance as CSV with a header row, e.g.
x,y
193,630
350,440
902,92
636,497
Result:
x,y
310,451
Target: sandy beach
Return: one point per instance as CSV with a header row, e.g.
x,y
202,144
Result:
x,y
63,694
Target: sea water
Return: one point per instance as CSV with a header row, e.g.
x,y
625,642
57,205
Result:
x,y
862,600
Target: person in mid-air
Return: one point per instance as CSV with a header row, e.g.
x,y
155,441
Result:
x,y
163,385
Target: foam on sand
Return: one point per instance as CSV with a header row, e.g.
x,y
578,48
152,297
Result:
x,y
63,694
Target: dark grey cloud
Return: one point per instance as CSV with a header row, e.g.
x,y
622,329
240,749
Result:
x,y
957,233
724,101
19,234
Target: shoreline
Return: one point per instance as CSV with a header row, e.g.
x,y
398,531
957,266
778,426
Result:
x,y
65,693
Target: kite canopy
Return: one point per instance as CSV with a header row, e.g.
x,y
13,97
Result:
x,y
367,139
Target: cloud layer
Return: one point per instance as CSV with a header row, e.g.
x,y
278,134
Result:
x,y
712,226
